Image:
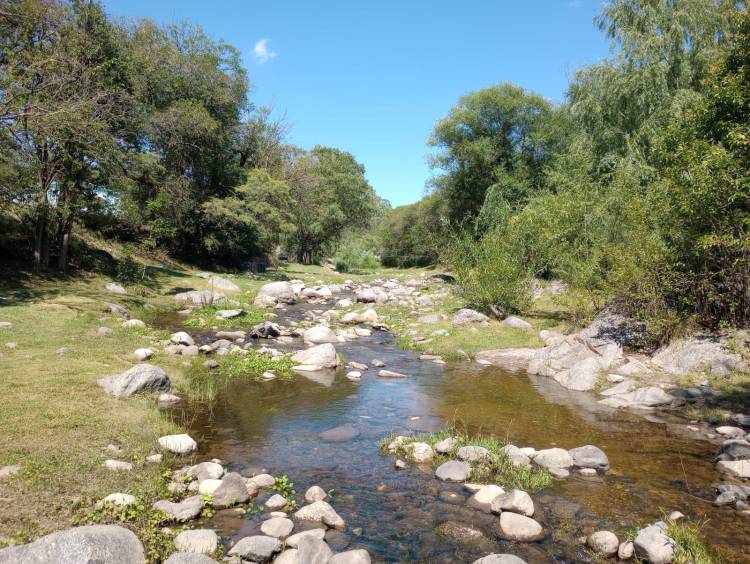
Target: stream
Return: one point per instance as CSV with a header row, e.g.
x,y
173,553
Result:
x,y
656,464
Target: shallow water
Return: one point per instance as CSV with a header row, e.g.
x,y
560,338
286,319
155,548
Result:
x,y
656,465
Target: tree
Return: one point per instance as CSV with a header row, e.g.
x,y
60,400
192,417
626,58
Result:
x,y
62,98
498,139
330,193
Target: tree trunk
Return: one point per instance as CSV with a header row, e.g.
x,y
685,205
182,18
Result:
x,y
40,232
62,259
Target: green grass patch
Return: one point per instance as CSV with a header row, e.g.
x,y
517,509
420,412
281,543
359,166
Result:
x,y
500,470
690,547
205,383
205,317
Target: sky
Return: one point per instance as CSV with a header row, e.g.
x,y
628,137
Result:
x,y
372,78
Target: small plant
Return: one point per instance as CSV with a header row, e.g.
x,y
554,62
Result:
x,y
690,548
285,487
205,317
208,507
500,469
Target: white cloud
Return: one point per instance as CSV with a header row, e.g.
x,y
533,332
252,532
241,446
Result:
x,y
262,52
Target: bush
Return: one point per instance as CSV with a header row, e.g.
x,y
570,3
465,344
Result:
x,y
355,256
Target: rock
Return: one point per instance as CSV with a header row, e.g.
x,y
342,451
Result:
x,y
182,338
229,313
399,464
6,325
178,444
633,367
453,471
553,458
735,449
295,538
683,356
189,558
516,323
265,330
483,498
642,398
320,512
430,319
211,364
589,456
653,544
626,550
572,355
318,357
391,374
277,527
138,379
188,508
446,445
118,465
465,316
90,544
517,501
512,360
315,493
603,542
200,298
223,284
518,527
320,334
354,375
133,324
120,499
257,548
275,292
169,398
377,363
206,471
458,532
10,470
208,486
499,559
422,453
474,454
311,550
231,491
263,481
357,556
154,458
64,350
116,288
143,354
341,433
612,327
370,316
104,331
276,502
582,376
623,387
201,541
738,468
731,432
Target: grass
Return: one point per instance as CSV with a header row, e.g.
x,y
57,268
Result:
x,y
204,383
499,471
444,339
205,317
690,548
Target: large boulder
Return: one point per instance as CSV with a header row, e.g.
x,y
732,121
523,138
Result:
x,y
515,526
653,545
200,298
312,550
616,328
178,444
589,456
553,458
258,548
516,501
140,378
684,356
583,376
317,358
642,398
202,541
465,316
275,292
105,544
223,284
356,556
516,323
512,360
737,468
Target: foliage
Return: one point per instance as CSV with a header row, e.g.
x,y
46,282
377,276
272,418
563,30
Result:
x,y
355,255
411,235
690,547
285,487
205,317
499,469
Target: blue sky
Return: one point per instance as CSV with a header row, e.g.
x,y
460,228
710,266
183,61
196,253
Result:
x,y
373,77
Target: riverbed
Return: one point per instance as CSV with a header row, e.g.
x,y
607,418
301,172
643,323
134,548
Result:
x,y
657,465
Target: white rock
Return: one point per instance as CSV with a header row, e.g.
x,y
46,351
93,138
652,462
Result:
x,y
143,354
200,541
178,444
120,499
603,542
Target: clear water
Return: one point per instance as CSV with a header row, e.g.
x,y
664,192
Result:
x,y
657,465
